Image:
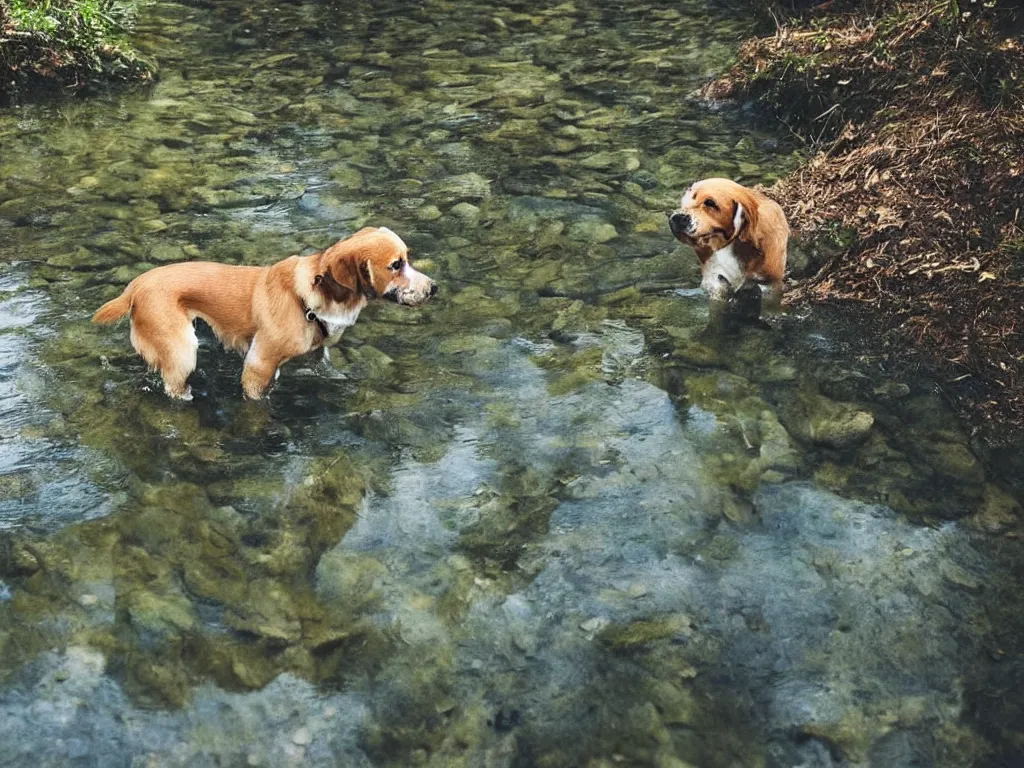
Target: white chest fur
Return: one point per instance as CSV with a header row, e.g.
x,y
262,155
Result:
x,y
336,322
722,273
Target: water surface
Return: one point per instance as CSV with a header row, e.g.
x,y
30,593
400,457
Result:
x,y
544,520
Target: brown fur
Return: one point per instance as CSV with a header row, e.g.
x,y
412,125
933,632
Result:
x,y
763,237
260,311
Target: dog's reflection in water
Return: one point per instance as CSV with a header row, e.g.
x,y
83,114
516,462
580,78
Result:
x,y
745,308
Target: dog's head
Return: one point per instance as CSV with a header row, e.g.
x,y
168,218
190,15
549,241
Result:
x,y
714,213
373,263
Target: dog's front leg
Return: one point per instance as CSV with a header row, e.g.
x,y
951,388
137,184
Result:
x,y
256,379
260,370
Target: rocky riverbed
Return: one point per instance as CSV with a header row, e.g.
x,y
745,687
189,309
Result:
x,y
545,520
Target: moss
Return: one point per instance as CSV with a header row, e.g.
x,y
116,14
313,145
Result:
x,y
998,511
17,557
578,369
156,681
162,614
722,548
853,733
234,664
171,556
638,634
505,526
955,461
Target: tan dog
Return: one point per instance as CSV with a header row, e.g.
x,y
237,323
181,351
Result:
x,y
740,237
269,314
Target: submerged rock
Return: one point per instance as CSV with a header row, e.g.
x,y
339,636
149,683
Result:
x,y
17,558
640,633
592,231
464,187
467,212
428,213
955,461
817,419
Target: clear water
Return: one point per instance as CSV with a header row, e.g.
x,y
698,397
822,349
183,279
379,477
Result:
x,y
544,520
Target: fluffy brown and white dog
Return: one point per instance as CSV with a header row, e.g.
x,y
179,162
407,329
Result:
x,y
740,237
269,314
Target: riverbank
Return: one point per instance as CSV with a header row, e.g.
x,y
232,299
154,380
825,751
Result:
x,y
913,114
66,45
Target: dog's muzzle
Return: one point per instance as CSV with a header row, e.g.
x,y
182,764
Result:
x,y
411,297
680,223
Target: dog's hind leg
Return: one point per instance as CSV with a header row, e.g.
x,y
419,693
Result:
x,y
164,336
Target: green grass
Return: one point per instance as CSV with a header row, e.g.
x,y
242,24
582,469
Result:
x,y
66,42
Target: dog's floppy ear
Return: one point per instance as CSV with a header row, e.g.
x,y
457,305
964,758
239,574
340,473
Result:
x,y
342,270
744,219
738,217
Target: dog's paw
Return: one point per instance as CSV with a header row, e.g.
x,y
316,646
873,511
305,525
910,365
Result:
x,y
185,396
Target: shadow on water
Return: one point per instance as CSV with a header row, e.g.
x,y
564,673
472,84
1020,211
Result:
x,y
544,520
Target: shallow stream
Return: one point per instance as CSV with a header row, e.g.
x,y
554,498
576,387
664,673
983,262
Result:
x,y
544,520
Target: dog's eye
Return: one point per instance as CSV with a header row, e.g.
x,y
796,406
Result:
x,y
395,265
709,203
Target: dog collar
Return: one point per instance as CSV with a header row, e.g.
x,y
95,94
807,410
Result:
x,y
311,317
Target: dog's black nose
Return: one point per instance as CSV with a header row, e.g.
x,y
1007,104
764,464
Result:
x,y
679,223
433,289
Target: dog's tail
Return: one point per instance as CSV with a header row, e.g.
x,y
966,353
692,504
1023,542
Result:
x,y
114,309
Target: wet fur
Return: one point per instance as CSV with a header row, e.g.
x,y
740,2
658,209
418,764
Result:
x,y
745,226
261,311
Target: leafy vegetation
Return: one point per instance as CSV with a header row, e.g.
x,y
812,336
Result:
x,y
66,42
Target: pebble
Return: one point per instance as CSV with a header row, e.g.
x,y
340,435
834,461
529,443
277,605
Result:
x,y
595,624
154,225
301,737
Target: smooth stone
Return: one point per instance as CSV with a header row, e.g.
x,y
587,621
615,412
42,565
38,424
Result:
x,y
595,624
429,213
956,461
166,253
154,225
465,211
891,390
817,419
471,186
591,231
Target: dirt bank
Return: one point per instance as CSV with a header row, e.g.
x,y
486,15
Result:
x,y
66,45
913,113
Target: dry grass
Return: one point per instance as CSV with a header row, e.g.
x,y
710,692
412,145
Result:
x,y
916,115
